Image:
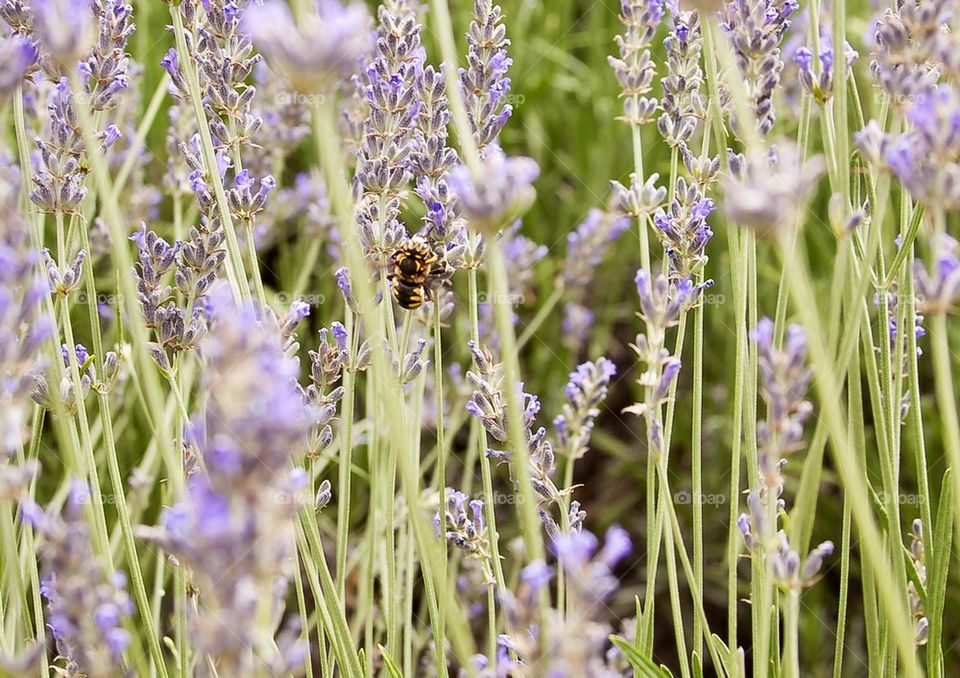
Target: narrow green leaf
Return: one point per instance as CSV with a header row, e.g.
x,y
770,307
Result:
x,y
642,666
392,669
939,551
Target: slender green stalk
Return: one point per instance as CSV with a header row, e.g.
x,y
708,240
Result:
x,y
344,480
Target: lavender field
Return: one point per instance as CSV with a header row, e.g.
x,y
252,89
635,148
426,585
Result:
x,y
558,338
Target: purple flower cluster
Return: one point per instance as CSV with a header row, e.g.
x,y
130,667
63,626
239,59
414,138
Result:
x,y
17,57
314,51
925,158
913,45
784,379
488,404
938,290
580,644
586,247
501,190
684,107
585,391
463,525
768,192
86,606
195,263
816,75
684,230
755,29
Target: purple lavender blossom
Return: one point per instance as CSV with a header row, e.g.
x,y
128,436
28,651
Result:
x,y
64,28
683,105
86,606
684,230
585,391
314,51
755,29
590,567
502,189
17,57
926,158
484,82
635,67
767,192
587,245
463,525
938,290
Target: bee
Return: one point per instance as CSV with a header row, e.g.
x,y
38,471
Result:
x,y
414,264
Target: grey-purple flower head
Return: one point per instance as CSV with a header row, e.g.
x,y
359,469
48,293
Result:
x,y
938,290
315,51
767,192
255,420
501,190
64,28
17,56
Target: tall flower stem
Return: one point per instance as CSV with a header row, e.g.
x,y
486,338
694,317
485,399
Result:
x,y
346,454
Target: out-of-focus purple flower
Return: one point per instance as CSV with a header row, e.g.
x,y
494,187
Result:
x,y
17,56
24,326
938,290
86,606
925,158
589,567
235,524
767,193
912,47
586,247
64,28
502,189
315,51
